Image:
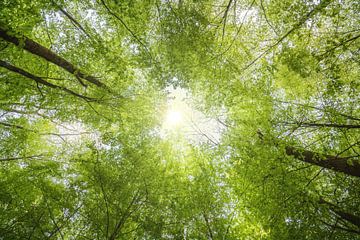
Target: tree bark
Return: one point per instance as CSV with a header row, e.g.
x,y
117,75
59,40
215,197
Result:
x,y
41,81
348,217
329,125
339,164
41,51
344,215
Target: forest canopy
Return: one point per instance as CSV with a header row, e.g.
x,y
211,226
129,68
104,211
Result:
x,y
180,119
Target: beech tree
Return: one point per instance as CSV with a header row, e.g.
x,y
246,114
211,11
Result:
x,y
235,119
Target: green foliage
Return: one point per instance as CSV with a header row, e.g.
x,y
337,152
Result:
x,y
275,75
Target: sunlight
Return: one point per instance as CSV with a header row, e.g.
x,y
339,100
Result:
x,y
173,117
183,119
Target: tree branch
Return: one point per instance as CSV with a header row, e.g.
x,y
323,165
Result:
x,y
43,52
20,158
42,81
127,28
316,9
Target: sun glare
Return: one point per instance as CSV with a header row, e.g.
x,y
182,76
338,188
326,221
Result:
x,y
173,117
182,119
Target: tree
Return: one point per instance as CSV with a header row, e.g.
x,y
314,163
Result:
x,y
84,87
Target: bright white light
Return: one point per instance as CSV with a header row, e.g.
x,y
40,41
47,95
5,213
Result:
x,y
183,120
173,117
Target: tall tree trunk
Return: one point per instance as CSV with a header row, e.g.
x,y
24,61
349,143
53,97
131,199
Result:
x,y
344,215
327,125
348,217
339,164
41,81
41,51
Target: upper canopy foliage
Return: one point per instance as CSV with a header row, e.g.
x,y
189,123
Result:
x,y
83,94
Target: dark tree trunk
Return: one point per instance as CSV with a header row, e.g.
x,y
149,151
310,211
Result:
x,y
348,217
344,215
339,164
328,125
41,81
41,51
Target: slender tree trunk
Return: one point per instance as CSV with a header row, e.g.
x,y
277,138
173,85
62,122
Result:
x,y
211,236
339,164
72,19
41,81
41,51
327,125
344,215
125,215
348,217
